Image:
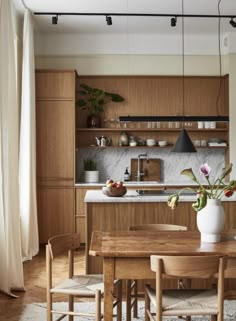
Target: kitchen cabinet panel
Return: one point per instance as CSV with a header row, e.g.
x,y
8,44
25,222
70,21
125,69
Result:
x,y
55,151
201,94
162,95
55,139
54,84
55,211
80,212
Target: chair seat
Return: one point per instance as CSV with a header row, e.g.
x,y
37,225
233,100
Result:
x,y
81,285
184,302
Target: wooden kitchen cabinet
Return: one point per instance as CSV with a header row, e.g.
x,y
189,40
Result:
x,y
157,96
55,151
80,211
55,211
162,95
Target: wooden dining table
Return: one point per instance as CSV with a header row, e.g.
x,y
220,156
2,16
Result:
x,y
126,254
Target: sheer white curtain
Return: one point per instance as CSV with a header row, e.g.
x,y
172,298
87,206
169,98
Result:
x,y
11,268
27,167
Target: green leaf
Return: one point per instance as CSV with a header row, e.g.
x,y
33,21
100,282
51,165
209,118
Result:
x,y
189,173
115,97
82,92
86,87
81,103
226,171
201,201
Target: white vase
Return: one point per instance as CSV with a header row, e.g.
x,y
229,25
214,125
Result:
x,y
91,176
211,220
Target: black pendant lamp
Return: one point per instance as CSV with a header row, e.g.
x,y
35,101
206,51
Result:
x,y
183,143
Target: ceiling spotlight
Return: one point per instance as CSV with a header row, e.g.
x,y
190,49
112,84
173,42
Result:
x,y
109,20
173,21
233,23
55,20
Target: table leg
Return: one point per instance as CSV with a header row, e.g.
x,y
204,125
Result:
x,y
108,270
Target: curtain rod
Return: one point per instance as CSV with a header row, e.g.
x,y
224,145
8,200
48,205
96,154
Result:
x,y
134,14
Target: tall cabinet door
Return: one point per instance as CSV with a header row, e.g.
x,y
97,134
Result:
x,y
55,131
55,140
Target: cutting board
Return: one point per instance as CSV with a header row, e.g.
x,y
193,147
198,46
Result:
x,y
151,169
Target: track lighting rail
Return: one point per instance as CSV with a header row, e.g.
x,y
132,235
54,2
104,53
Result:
x,y
231,16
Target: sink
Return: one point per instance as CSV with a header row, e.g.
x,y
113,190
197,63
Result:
x,y
141,182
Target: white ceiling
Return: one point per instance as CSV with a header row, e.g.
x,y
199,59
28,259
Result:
x,y
142,25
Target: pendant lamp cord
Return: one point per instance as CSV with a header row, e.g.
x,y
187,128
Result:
x,y
220,59
183,58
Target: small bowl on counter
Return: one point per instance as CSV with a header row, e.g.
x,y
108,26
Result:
x,y
162,143
114,191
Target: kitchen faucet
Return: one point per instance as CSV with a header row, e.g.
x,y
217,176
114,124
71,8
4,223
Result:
x,y
139,173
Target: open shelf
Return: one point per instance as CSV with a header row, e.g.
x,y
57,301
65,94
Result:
x,y
150,129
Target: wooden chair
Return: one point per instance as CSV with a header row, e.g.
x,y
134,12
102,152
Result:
x,y
184,302
132,285
80,286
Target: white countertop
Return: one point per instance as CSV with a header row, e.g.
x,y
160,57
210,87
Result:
x,y
97,196
142,183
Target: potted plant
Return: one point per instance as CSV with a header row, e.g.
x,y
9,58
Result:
x,y
91,174
211,216
93,101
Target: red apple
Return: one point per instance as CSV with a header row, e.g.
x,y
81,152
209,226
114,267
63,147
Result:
x,y
119,184
114,185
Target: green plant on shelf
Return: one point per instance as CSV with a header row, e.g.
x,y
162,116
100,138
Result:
x,y
95,98
90,165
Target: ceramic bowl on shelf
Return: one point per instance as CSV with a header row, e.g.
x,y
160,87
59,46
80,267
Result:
x,y
151,142
162,143
114,191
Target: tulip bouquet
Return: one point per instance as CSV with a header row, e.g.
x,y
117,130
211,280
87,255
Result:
x,y
214,189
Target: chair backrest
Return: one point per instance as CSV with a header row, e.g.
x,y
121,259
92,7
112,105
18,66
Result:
x,y
57,245
62,243
186,266
190,267
157,227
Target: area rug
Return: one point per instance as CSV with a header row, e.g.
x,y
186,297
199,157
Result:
x,y
37,311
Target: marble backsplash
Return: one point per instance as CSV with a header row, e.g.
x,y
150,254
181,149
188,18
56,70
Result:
x,y
112,162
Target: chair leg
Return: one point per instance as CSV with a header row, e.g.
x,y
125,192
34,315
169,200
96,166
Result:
x,y
147,306
71,307
128,300
214,317
49,307
135,304
119,298
98,305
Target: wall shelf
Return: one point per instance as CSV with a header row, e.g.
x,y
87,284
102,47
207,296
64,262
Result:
x,y
150,129
145,146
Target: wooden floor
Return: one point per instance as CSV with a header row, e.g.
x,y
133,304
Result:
x,y
35,284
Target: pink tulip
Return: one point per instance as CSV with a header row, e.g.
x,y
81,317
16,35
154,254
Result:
x,y
205,170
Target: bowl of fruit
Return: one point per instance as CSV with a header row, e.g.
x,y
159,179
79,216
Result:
x,y
114,189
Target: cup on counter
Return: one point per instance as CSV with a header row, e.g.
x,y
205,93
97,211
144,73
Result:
x,y
203,143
